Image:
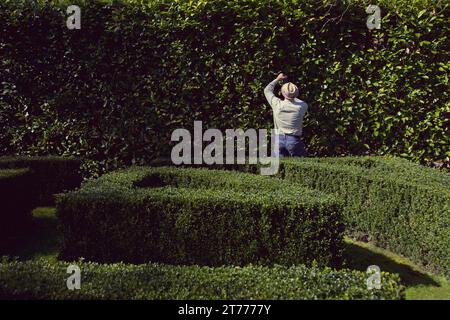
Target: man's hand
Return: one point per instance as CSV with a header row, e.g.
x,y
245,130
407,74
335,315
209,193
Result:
x,y
281,76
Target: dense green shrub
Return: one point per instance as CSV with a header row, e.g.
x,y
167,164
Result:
x,y
50,174
47,280
16,203
399,205
199,216
114,91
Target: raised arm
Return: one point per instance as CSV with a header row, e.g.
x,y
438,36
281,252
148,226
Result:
x,y
273,100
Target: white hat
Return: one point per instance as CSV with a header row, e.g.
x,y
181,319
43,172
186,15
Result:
x,y
289,90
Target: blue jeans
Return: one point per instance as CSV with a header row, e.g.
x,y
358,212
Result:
x,y
290,146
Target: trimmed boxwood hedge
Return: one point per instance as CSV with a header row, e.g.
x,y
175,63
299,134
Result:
x,y
51,174
401,206
47,280
16,203
199,216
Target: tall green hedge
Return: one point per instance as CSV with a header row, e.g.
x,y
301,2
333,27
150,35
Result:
x,y
397,204
199,216
113,91
51,174
47,280
16,203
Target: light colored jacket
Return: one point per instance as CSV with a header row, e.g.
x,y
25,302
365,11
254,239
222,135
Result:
x,y
287,114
